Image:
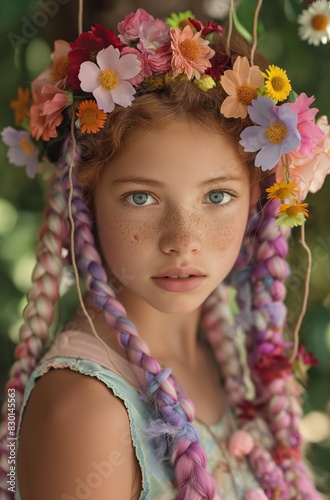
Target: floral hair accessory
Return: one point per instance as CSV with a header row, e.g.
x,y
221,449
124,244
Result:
x,y
101,70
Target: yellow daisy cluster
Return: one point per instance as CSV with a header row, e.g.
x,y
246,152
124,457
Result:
x,y
294,212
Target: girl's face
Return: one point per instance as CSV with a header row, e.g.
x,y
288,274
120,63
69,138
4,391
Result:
x,y
173,203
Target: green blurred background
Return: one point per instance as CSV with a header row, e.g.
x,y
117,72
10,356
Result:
x,y
28,29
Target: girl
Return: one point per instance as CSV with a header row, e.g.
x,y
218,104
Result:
x,y
169,222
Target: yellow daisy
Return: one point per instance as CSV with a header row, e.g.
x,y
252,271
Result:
x,y
282,190
293,214
91,118
277,83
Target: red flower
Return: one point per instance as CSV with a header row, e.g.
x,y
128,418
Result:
x,y
281,453
306,357
249,410
86,47
220,63
273,366
206,29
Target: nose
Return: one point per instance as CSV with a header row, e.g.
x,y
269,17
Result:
x,y
180,232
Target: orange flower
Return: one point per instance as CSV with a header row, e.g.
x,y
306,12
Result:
x,y
241,84
293,209
282,190
91,118
20,106
293,214
191,53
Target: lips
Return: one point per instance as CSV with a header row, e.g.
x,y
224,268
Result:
x,y
179,279
180,273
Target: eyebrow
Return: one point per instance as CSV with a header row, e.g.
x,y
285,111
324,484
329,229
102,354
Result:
x,y
155,183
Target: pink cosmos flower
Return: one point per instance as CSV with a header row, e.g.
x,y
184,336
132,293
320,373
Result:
x,y
22,151
240,443
86,46
107,79
46,111
191,54
310,133
308,173
241,84
145,68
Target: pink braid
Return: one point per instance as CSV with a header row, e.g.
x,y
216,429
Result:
x,y
266,347
178,441
221,333
38,315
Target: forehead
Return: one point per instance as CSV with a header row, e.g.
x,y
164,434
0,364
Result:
x,y
184,148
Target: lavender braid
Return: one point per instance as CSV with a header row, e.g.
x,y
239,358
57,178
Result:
x,y
265,348
38,314
176,438
260,294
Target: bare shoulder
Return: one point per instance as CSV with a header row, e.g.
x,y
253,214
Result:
x,y
75,441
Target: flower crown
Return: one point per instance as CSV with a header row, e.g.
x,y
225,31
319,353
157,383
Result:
x,y
101,70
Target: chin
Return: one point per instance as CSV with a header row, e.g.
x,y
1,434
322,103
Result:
x,y
177,304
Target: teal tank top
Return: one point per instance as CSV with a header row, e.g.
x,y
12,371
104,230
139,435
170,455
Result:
x,y
83,353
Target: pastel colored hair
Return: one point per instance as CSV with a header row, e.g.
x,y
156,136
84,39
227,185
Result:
x,y
259,282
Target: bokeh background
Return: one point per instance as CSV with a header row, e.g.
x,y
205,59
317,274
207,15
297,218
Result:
x,y
27,31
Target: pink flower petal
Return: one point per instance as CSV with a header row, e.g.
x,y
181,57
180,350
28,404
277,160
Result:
x,y
108,58
123,94
230,81
104,100
89,76
256,78
61,49
241,65
232,108
128,66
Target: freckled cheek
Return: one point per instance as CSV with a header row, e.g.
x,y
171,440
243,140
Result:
x,y
124,235
225,237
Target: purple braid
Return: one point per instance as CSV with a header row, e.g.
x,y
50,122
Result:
x,y
174,435
270,368
38,314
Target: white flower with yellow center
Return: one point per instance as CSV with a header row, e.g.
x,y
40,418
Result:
x,y
315,23
107,80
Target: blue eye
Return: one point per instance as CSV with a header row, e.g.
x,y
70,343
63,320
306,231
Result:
x,y
140,199
219,197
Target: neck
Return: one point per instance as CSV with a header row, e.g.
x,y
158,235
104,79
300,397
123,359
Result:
x,y
168,336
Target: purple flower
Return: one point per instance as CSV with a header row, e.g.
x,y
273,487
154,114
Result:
x,y
275,133
22,151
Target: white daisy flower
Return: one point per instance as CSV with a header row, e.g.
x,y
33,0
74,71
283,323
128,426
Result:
x,y
315,23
